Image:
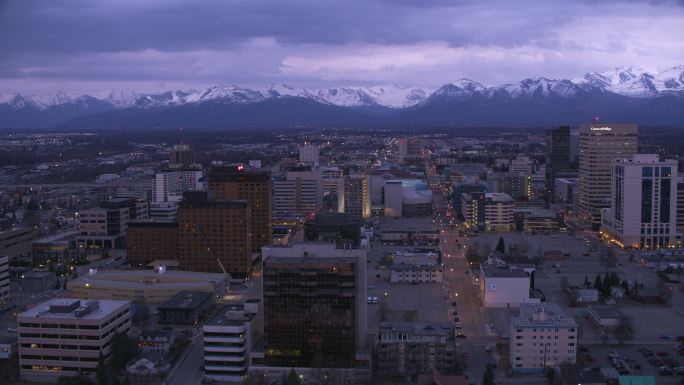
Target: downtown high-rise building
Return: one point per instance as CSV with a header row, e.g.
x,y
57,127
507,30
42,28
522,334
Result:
x,y
298,194
557,155
214,235
643,210
314,305
229,182
600,144
353,196
180,156
410,150
309,154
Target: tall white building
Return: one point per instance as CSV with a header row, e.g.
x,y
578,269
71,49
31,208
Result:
x,y
542,337
169,185
643,210
599,145
299,194
4,279
309,154
63,337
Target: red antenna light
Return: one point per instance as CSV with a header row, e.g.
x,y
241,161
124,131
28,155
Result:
x,y
596,119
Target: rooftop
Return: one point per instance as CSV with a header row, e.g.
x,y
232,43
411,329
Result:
x,y
69,308
542,315
504,271
417,328
133,279
605,311
186,300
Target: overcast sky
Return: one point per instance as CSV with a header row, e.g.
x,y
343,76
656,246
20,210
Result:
x,y
146,45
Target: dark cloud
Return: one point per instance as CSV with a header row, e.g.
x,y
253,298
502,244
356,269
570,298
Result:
x,y
254,40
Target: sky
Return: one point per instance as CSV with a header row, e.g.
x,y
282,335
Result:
x,y
82,46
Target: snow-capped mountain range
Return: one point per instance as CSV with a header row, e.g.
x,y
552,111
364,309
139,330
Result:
x,y
628,83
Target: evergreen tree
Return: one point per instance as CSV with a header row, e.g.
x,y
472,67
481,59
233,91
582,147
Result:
x,y
488,378
292,378
598,285
101,371
551,376
501,246
586,281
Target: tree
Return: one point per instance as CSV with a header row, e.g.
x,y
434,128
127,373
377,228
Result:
x,y
625,287
123,349
501,246
488,378
598,285
586,281
292,378
551,375
102,378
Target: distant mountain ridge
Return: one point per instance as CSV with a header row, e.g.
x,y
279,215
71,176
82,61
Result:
x,y
628,93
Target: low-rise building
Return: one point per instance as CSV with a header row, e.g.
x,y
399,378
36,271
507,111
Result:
x,y
185,308
406,349
228,341
416,274
542,337
65,337
156,340
38,281
16,241
416,257
605,316
505,286
153,287
8,347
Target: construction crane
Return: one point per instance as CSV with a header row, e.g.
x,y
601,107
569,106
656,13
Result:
x,y
211,255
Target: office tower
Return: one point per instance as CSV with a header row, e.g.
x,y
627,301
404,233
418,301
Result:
x,y
557,155
342,229
65,337
410,150
180,155
169,185
517,185
254,186
353,197
104,227
643,210
4,279
228,340
599,145
410,348
314,305
299,194
488,211
308,154
331,178
464,188
542,337
214,235
147,241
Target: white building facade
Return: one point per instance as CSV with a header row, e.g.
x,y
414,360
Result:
x,y
643,212
542,337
